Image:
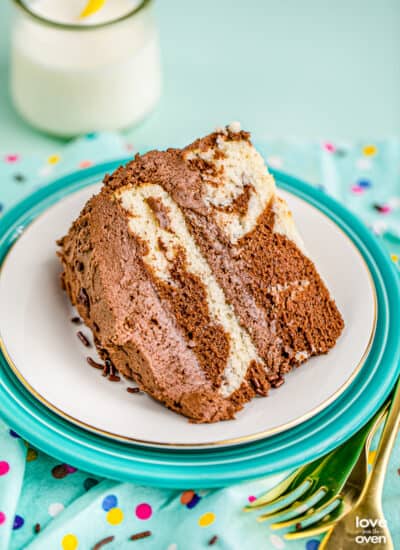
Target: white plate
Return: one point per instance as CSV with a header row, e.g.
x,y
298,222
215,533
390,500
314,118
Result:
x,y
47,356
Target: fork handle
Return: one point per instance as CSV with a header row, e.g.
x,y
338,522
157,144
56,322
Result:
x,y
375,481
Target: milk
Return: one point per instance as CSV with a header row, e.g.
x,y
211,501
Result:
x,y
72,81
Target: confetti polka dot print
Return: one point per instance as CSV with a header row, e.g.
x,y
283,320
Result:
x,y
206,519
4,468
115,516
69,542
143,511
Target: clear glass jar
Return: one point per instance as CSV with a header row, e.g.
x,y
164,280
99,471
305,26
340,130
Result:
x,y
74,78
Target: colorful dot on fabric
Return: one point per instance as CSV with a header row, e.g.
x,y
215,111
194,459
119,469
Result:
x,y
18,522
45,171
366,184
55,508
89,483
31,455
276,541
3,518
394,258
357,190
11,158
383,208
4,468
115,516
109,502
370,150
206,519
20,178
70,469
69,542
251,498
328,146
143,511
85,163
312,544
14,434
187,496
195,500
53,159
363,163
60,471
91,135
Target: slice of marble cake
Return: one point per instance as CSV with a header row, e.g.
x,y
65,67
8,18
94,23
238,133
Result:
x,y
189,271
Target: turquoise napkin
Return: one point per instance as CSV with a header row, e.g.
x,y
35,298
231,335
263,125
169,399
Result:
x,y
45,505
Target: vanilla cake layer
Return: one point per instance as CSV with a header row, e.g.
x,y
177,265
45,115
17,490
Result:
x,y
195,281
165,243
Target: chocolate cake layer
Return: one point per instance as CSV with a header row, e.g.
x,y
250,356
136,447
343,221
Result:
x,y
189,271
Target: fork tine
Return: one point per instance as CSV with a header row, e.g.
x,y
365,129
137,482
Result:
x,y
285,502
312,515
273,494
289,484
298,507
321,527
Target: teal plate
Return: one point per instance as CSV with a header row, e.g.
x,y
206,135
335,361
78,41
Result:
x,y
216,466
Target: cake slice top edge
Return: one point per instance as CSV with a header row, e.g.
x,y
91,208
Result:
x,y
224,187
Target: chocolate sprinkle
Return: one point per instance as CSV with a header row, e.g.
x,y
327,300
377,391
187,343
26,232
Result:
x,y
94,364
213,540
37,528
142,535
83,298
133,390
105,370
114,378
83,339
103,542
109,366
76,320
277,383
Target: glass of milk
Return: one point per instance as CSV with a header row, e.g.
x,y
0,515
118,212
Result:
x,y
72,76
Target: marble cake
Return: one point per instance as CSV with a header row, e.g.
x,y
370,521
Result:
x,y
188,269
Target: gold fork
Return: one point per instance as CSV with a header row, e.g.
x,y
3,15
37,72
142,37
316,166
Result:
x,y
365,524
321,492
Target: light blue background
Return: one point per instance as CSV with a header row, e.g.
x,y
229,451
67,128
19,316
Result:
x,y
309,68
